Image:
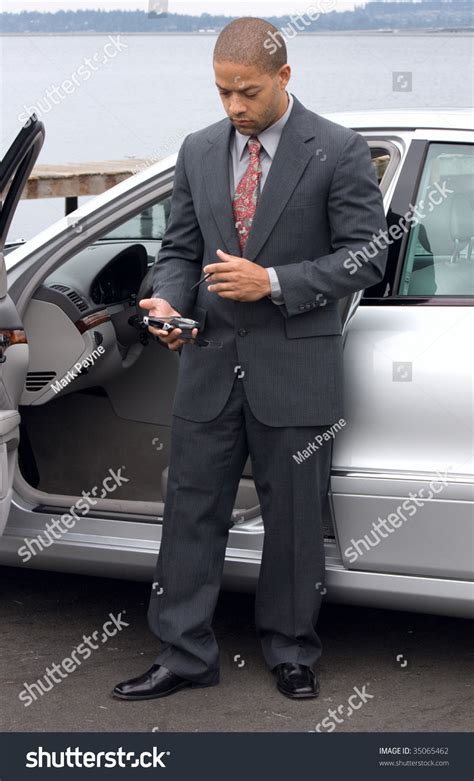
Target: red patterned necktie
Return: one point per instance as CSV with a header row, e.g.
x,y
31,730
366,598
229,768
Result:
x,y
244,201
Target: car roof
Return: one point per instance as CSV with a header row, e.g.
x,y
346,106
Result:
x,y
454,119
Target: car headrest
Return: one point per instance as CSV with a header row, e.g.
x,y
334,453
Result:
x,y
462,218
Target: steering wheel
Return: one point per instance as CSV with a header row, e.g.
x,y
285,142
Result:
x,y
145,291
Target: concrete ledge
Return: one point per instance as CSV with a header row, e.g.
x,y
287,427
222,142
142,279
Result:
x,y
75,179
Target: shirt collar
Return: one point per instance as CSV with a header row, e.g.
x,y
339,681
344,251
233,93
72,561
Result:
x,y
270,137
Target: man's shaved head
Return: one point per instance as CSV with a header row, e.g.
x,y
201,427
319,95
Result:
x,y
252,41
251,74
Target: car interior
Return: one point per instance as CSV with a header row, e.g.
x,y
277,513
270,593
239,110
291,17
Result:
x,y
439,260
116,412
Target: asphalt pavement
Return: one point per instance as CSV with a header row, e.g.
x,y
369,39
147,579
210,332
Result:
x,y
381,671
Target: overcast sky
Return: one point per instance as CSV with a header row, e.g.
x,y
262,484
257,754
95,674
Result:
x,y
230,7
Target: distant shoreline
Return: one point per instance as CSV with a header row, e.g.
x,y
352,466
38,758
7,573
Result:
x,y
467,31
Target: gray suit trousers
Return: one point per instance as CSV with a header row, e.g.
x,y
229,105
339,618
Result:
x,y
206,463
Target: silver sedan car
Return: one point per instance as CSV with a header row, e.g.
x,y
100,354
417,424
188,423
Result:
x,y
86,393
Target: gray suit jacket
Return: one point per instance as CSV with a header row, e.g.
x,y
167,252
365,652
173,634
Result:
x,y
321,199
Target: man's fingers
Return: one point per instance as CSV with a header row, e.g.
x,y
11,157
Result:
x,y
147,303
175,345
165,336
222,286
219,268
171,338
234,294
224,255
222,279
158,331
229,292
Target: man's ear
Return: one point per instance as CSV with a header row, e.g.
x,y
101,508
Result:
x,y
284,75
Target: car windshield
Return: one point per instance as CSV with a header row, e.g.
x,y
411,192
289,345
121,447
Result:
x,y
148,224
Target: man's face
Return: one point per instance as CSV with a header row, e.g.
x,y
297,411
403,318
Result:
x,y
253,100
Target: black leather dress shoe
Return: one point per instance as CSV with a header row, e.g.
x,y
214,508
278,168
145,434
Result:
x,y
296,681
158,681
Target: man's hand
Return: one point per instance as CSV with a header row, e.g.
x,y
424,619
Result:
x,y
158,307
238,278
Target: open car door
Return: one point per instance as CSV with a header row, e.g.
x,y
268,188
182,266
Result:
x,y
15,169
386,160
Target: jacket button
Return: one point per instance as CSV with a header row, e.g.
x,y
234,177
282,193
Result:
x,y
242,332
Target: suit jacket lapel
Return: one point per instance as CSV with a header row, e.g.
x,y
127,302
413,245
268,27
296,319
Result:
x,y
291,158
217,182
289,163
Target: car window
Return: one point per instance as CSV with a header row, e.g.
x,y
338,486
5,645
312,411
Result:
x,y
380,161
439,259
148,224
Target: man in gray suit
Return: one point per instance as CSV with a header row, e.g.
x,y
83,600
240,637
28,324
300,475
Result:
x,y
269,202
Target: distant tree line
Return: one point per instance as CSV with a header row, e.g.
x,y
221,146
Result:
x,y
431,14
